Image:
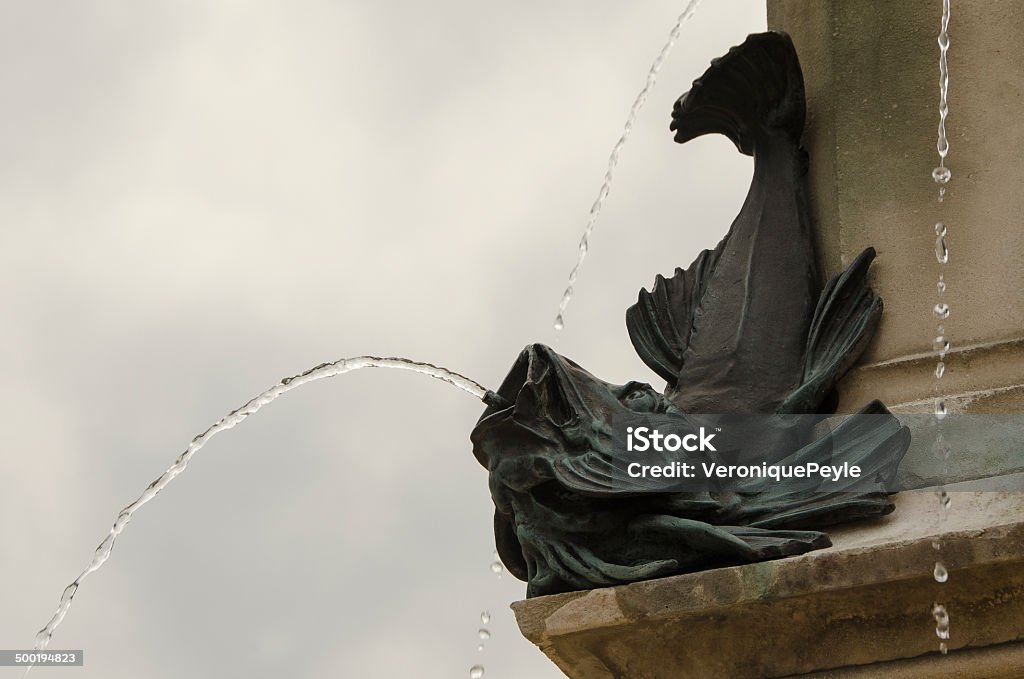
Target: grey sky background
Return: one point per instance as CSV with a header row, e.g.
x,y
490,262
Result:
x,y
199,198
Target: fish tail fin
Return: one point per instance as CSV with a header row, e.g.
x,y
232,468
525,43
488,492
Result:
x,y
755,90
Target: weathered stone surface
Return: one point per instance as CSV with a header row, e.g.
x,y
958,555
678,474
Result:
x,y
1005,661
983,447
865,600
871,76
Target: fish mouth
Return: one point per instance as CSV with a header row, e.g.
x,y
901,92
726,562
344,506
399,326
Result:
x,y
539,406
541,383
548,403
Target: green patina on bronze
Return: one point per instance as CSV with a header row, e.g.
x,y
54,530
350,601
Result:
x,y
746,329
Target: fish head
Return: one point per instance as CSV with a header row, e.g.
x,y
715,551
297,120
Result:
x,y
550,408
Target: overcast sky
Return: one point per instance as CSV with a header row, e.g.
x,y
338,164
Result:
x,y
200,197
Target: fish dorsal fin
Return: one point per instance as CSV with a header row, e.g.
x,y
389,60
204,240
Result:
x,y
661,322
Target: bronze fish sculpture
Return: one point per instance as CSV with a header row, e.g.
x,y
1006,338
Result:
x,y
747,329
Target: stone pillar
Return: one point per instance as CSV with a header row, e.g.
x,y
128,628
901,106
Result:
x,y
860,609
871,73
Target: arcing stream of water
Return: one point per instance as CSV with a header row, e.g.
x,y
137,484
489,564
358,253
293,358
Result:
x,y
613,159
941,174
229,421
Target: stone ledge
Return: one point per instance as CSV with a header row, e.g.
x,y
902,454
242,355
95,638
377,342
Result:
x,y
1005,661
865,600
979,378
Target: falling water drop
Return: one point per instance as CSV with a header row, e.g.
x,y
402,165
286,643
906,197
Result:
x,y
941,345
941,250
484,633
476,672
941,310
943,649
941,174
496,567
613,159
940,370
941,616
480,648
941,285
945,500
941,448
485,617
940,408
940,572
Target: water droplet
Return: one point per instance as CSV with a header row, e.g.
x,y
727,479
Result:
x,y
943,649
476,672
940,572
936,545
941,175
480,648
941,310
941,286
496,567
559,322
941,616
941,251
940,408
484,633
940,370
485,617
940,229
945,500
941,449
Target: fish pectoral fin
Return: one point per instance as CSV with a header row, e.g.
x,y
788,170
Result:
x,y
844,321
661,322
